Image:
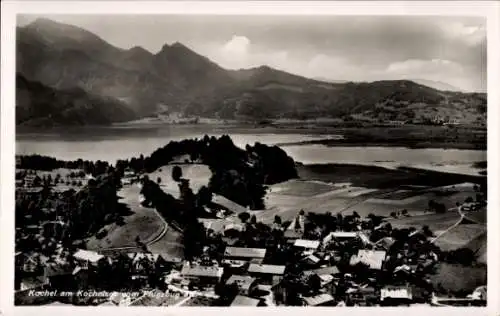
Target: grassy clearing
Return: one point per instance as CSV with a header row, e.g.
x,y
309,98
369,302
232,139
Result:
x,y
479,246
478,216
436,222
142,222
454,276
197,174
459,236
300,188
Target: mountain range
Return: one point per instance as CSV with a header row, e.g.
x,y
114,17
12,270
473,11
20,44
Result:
x,y
66,74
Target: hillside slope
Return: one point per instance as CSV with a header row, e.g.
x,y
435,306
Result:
x,y
39,105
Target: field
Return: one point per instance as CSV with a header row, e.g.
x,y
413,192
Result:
x,y
331,188
142,222
197,174
452,277
460,236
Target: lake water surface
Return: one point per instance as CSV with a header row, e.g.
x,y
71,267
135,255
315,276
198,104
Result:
x,y
112,144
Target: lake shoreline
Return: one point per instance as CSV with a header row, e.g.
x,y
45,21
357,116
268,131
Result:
x,y
408,136
400,144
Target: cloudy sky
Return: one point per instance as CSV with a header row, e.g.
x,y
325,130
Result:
x,y
447,49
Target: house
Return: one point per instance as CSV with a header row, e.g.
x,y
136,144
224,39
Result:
x,y
339,236
30,191
266,273
385,243
395,295
266,269
332,270
362,295
364,238
86,258
403,271
32,283
373,258
29,180
231,228
244,254
241,300
479,293
323,299
306,244
205,275
245,283
311,260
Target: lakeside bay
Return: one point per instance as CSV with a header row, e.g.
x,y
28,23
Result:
x,y
310,146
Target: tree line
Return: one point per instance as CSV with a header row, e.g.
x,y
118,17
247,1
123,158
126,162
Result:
x,y
238,174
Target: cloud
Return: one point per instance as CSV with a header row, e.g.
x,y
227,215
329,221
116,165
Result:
x,y
333,67
239,52
424,67
237,45
471,35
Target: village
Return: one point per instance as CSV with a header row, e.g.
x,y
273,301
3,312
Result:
x,y
314,260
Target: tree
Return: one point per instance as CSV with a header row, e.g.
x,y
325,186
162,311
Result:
x,y
404,212
158,180
176,173
204,196
314,283
302,212
431,204
253,220
426,230
245,216
469,199
393,214
277,219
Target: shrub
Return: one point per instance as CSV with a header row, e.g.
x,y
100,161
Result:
x,y
245,216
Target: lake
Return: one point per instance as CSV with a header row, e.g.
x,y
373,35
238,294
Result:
x,y
110,144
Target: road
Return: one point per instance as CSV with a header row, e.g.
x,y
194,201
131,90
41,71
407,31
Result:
x,y
459,210
149,243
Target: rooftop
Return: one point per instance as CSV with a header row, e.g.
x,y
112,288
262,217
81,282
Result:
x,y
241,300
87,255
245,252
396,292
344,234
304,243
318,299
323,271
266,269
373,258
243,281
202,271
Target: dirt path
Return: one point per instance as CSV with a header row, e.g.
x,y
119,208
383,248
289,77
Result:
x,y
459,211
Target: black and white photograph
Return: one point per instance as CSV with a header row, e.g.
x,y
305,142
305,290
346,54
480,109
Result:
x,y
178,160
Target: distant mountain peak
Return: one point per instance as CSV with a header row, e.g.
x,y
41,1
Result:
x,y
438,85
139,50
56,33
179,45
